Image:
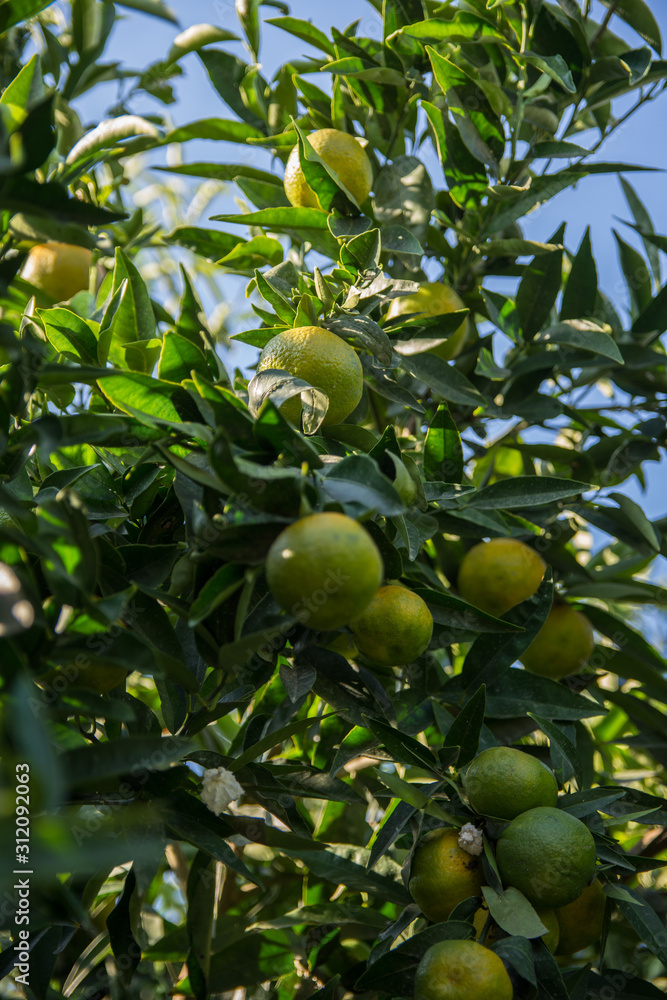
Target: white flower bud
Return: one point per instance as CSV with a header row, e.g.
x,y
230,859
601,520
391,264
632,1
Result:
x,y
470,839
219,788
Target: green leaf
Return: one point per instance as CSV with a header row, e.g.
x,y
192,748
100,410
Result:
x,y
402,748
138,756
404,193
539,288
645,922
636,274
225,581
69,334
272,739
357,480
513,912
466,178
584,335
643,221
525,491
521,201
638,15
653,317
14,11
304,30
339,870
222,129
581,289
156,8
196,37
26,89
445,379
565,747
179,357
210,243
227,74
250,254
125,948
518,692
466,729
134,319
478,126
443,451
139,394
554,67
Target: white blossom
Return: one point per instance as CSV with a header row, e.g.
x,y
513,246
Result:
x,y
219,788
470,839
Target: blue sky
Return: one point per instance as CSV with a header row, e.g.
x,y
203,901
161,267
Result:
x,y
597,201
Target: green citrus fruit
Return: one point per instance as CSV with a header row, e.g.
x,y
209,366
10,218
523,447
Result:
x,y
461,970
502,782
58,269
499,574
395,627
346,157
550,921
443,874
325,361
324,569
434,298
580,922
548,855
345,645
562,645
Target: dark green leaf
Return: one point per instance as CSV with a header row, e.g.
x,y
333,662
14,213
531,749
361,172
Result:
x,y
581,289
443,452
539,288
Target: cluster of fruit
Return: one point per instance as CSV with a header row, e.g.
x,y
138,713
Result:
x,y
542,851
326,570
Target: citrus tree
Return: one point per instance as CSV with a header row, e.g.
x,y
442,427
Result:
x,y
334,677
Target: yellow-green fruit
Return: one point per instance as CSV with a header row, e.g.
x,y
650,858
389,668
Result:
x,y
325,361
58,269
395,628
323,569
345,645
443,874
346,157
580,922
433,299
548,855
562,645
499,574
461,970
503,782
550,921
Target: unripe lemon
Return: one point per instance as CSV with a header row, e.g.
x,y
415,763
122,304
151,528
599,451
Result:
x,y
461,970
324,569
345,156
443,874
325,361
580,922
548,855
499,574
503,782
395,627
58,269
434,298
562,645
